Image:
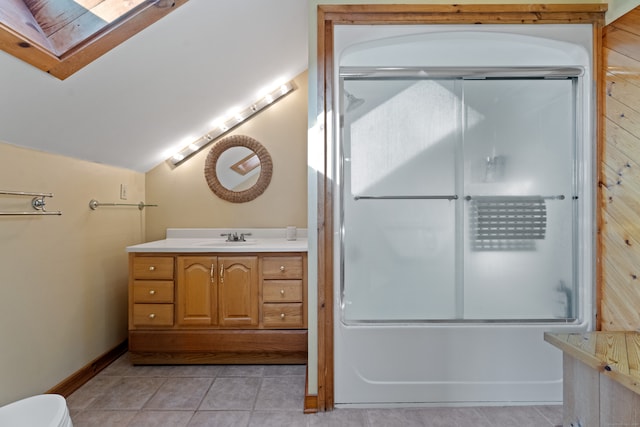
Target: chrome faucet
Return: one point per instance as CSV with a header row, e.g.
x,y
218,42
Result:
x,y
233,237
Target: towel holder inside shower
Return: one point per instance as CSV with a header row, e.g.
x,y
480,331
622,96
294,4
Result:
x,y
94,204
558,197
37,203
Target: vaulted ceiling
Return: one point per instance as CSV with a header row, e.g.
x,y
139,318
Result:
x,y
137,100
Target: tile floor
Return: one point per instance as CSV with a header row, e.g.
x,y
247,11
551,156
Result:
x,y
254,395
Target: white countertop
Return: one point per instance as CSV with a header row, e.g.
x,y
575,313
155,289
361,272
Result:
x,y
202,240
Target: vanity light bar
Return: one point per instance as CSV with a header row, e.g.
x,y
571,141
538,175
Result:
x,y
229,123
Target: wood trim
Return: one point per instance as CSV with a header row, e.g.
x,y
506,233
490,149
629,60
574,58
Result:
x,y
238,346
97,45
600,85
310,400
464,13
84,374
330,15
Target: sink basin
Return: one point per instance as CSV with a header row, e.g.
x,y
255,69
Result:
x,y
220,242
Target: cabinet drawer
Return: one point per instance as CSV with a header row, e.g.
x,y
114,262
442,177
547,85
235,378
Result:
x,y
153,314
282,267
282,291
283,315
152,291
147,267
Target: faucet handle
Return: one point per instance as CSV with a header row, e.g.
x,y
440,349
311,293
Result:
x,y
243,235
229,236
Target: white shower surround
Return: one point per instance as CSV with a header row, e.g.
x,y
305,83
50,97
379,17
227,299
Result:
x,y
464,363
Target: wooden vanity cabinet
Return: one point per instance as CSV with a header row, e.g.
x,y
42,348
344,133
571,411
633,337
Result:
x,y
197,289
282,292
218,308
151,293
217,291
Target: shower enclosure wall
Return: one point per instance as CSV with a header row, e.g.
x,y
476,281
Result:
x,y
463,161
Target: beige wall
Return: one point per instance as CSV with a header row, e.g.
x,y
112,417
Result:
x,y
63,279
185,200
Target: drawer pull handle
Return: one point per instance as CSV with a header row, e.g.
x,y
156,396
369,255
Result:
x,y
282,268
281,291
152,316
152,267
152,292
282,315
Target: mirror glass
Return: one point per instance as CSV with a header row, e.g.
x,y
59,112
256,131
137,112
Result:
x,y
238,168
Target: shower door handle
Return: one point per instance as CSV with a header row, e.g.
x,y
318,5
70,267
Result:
x,y
444,197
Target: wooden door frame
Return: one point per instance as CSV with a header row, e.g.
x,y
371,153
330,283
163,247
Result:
x,y
379,14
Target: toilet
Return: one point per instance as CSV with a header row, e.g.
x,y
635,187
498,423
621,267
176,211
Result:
x,y
44,410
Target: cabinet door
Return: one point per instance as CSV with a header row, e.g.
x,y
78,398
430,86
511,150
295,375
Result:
x,y
238,291
197,293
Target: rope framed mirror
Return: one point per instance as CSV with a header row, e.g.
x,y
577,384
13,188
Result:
x,y
238,169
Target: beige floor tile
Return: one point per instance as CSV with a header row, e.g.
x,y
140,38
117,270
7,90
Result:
x,y
234,393
339,418
101,418
509,416
220,419
278,419
124,395
241,371
161,419
128,393
281,393
180,393
397,417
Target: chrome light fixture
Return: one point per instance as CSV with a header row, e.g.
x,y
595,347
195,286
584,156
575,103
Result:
x,y
227,124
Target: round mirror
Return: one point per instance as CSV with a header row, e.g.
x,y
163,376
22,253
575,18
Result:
x,y
238,169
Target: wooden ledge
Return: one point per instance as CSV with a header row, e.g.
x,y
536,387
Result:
x,y
614,354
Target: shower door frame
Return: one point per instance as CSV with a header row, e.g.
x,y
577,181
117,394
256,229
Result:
x,y
462,75
321,116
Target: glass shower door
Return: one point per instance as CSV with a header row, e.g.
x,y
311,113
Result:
x,y
519,192
458,199
398,204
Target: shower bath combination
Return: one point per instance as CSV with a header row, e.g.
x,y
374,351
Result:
x,y
463,161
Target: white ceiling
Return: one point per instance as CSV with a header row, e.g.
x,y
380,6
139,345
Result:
x,y
135,105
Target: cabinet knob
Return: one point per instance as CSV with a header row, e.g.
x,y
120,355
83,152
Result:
x,y
281,291
282,315
282,268
152,316
152,292
152,267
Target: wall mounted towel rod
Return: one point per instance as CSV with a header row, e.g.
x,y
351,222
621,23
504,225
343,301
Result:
x,y
37,203
559,197
24,193
364,197
94,204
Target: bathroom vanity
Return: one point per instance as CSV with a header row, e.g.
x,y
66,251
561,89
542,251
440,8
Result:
x,y
198,297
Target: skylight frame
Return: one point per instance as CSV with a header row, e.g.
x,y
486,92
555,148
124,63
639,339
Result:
x,y
43,57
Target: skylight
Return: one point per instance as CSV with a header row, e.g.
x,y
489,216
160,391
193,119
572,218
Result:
x,y
62,36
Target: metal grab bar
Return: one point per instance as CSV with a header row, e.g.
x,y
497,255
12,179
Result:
x,y
451,197
37,203
94,204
